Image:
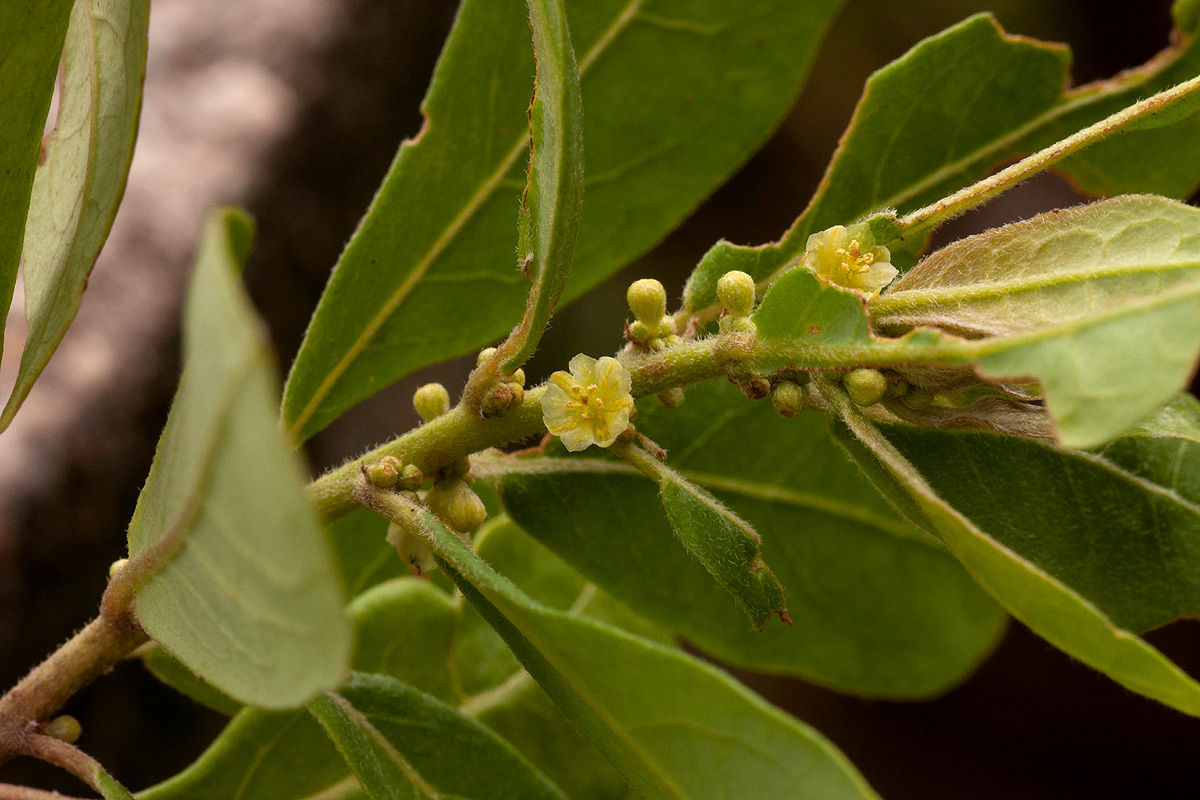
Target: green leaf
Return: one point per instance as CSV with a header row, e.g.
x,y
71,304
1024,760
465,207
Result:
x,y
1071,513
81,176
504,697
402,743
636,700
248,597
1102,373
438,238
168,669
879,608
364,556
1052,609
33,39
553,199
405,630
1058,267
999,96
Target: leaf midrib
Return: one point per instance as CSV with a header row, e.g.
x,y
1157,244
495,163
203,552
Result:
x,y
397,758
910,300
448,234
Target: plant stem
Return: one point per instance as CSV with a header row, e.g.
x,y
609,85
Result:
x,y
67,756
10,792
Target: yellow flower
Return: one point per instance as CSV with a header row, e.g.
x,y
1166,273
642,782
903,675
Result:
x,y
588,405
848,257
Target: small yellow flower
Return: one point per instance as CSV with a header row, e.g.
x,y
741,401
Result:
x,y
590,404
849,258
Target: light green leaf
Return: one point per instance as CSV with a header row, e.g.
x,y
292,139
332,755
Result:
x,y
405,630
636,700
436,244
402,743
33,40
879,608
81,176
946,113
1049,607
1102,373
248,595
1120,527
1058,267
553,199
168,669
364,556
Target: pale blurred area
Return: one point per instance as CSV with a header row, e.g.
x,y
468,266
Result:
x,y
294,109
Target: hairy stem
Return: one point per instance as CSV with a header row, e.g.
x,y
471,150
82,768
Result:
x,y
10,792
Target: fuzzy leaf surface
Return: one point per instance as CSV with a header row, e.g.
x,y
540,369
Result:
x,y
248,597
437,242
81,176
878,608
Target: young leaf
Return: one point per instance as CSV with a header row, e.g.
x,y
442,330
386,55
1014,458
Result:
x,y
1001,96
637,700
1050,608
437,241
81,175
1102,373
879,608
402,743
246,591
33,41
405,630
553,199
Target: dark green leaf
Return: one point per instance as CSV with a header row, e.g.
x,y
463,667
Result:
x,y
33,40
249,597
637,700
81,175
1051,608
402,743
945,114
437,243
879,608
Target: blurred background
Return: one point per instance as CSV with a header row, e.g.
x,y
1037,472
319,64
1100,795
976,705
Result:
x,y
294,109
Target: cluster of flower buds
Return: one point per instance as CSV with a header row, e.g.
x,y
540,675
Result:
x,y
505,393
390,473
654,328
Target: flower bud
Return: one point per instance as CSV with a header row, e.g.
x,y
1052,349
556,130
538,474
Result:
x,y
65,728
732,324
735,290
647,300
431,401
755,388
671,398
411,548
115,567
456,505
411,478
518,377
484,355
666,326
787,399
866,387
497,400
641,332
383,474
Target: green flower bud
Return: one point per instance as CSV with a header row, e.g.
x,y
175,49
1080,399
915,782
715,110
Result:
x,y
641,332
866,387
897,386
647,300
383,474
787,399
518,377
456,505
666,326
115,567
671,398
732,324
736,292
411,478
431,401
484,355
65,729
